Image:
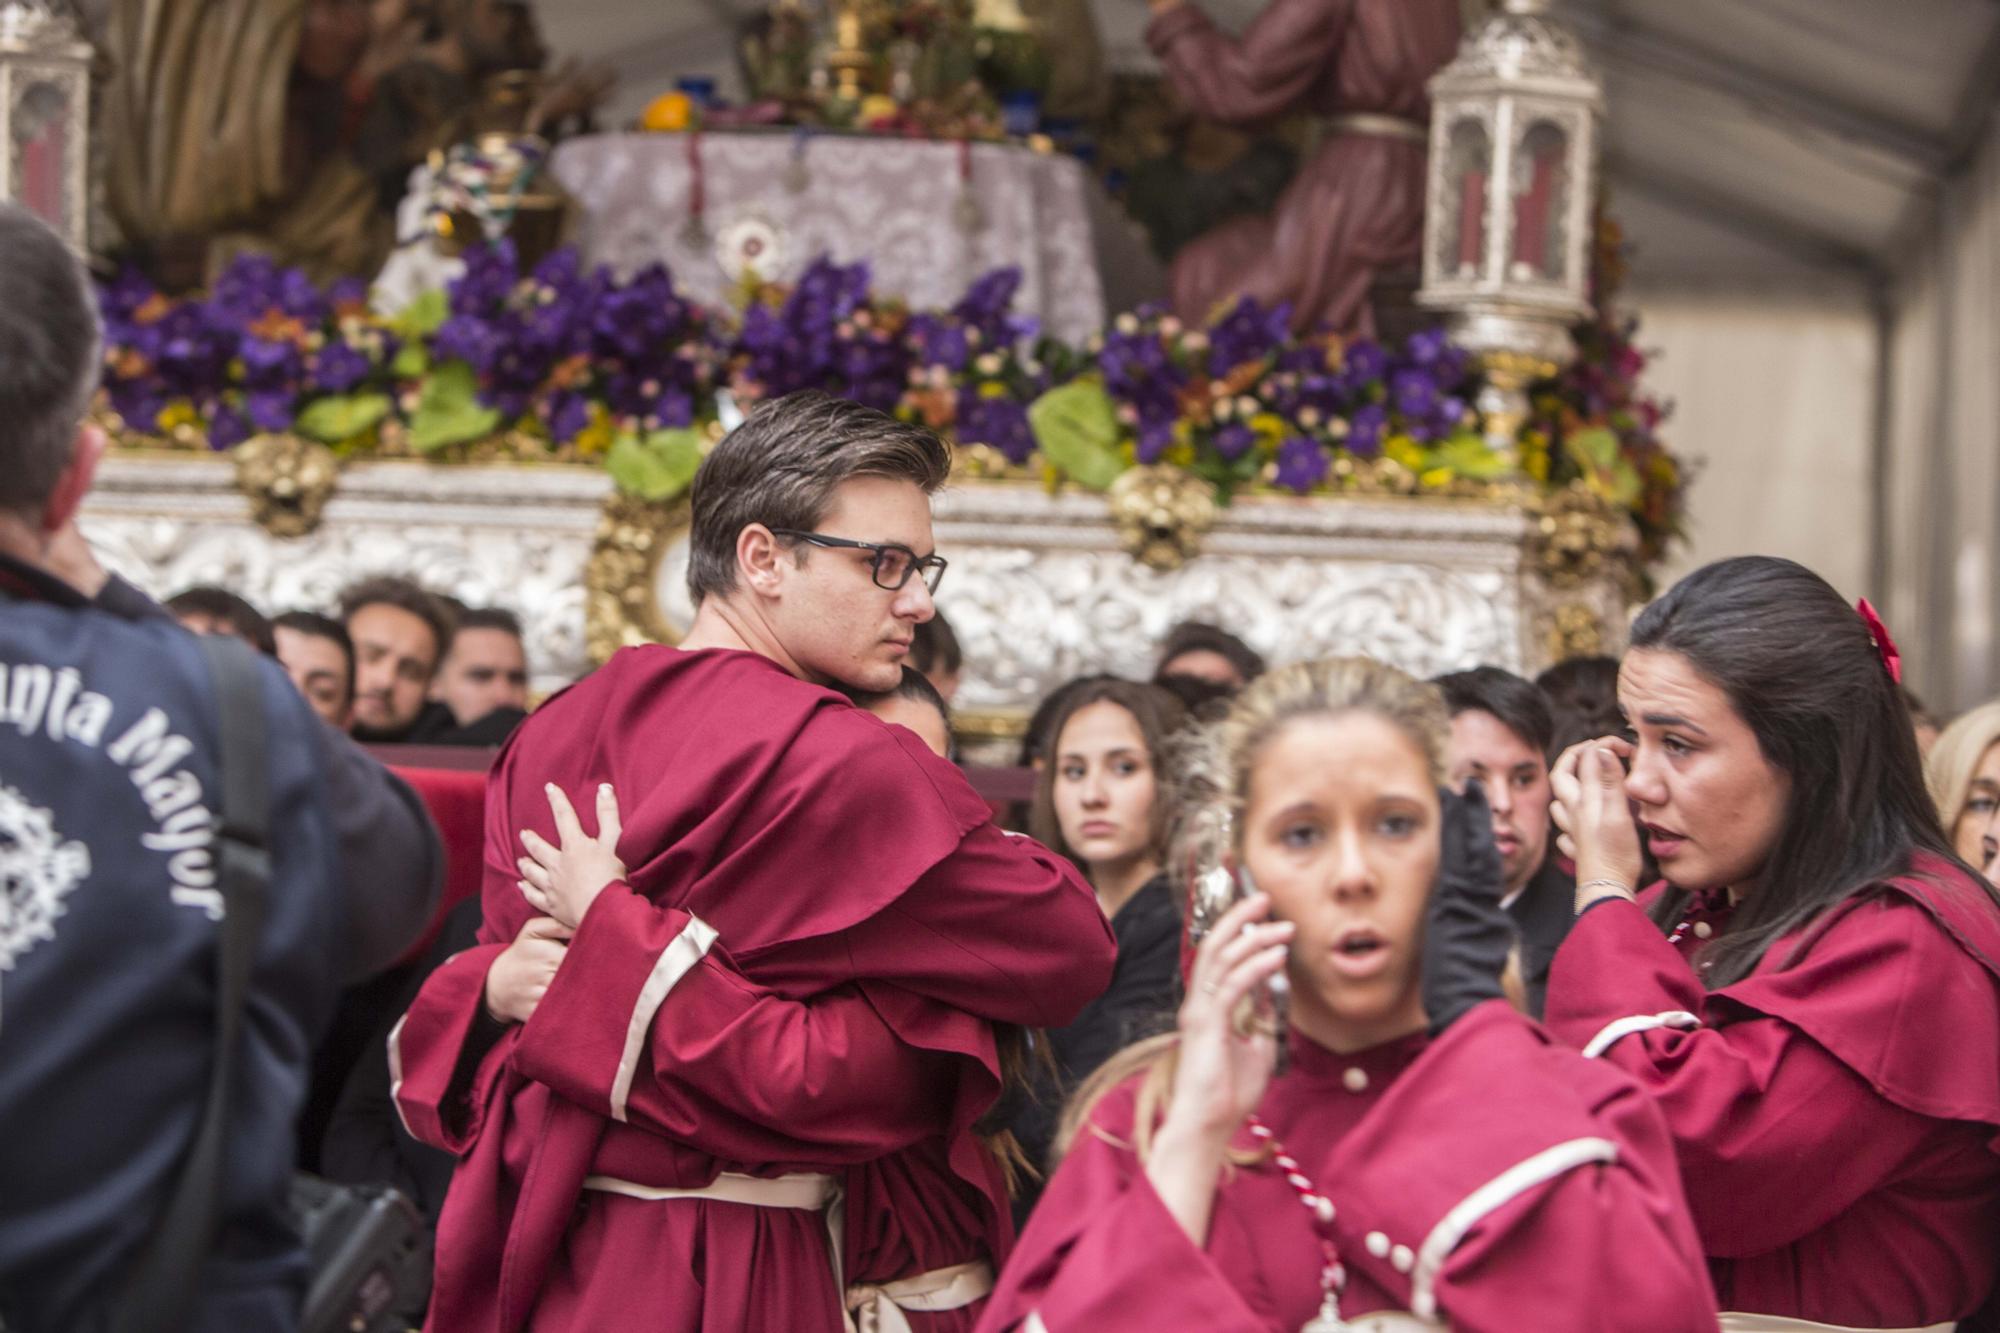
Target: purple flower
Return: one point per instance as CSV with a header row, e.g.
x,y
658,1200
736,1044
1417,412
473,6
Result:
x,y
1414,393
1302,463
348,292
1250,332
270,410
1366,361
339,367
490,274
269,364
1234,440
1364,430
569,414
226,427
940,342
138,402
1155,438
1427,346
999,422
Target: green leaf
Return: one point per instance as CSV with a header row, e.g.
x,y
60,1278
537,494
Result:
x,y
1595,450
423,316
342,417
413,361
1471,457
658,467
449,412
1076,427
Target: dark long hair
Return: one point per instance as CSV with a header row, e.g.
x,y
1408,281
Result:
x,y
1801,669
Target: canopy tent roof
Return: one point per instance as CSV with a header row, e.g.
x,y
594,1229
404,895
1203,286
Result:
x,y
1748,139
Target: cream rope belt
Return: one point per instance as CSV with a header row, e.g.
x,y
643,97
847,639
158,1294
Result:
x,y
1374,124
877,1307
805,1192
871,1307
1771,1323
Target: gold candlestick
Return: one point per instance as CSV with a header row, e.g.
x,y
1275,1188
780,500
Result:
x,y
849,58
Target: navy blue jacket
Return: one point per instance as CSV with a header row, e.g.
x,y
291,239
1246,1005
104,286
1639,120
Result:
x,y
109,789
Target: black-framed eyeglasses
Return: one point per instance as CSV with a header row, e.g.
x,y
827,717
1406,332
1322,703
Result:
x,y
893,563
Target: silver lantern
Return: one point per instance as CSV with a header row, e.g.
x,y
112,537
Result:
x,y
45,117
1507,229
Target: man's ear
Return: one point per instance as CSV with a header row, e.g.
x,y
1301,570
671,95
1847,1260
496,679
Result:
x,y
74,483
758,560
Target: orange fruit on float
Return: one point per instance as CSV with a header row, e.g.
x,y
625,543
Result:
x,y
668,112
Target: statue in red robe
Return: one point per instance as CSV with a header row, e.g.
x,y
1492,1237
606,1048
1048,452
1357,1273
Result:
x,y
1356,206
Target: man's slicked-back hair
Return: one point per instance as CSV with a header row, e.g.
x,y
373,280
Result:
x,y
782,466
49,340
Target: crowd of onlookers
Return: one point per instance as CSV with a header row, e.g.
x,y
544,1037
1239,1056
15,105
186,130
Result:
x,y
400,665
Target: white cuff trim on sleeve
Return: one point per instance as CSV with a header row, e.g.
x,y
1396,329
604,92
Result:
x,y
1620,1028
1510,1184
674,962
396,1073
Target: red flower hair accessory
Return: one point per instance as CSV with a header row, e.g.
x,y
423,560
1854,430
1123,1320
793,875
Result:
x,y
1891,659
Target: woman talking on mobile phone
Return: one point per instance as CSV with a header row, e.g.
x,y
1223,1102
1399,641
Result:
x,y
1812,994
1428,1156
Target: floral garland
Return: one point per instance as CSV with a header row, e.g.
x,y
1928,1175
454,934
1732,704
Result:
x,y
567,364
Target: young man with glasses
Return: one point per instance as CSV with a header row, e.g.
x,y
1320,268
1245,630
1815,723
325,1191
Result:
x,y
788,963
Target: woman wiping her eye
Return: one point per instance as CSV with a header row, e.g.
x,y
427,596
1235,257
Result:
x,y
1812,994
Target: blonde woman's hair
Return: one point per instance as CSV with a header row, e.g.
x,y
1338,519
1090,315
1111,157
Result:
x,y
1216,767
1955,757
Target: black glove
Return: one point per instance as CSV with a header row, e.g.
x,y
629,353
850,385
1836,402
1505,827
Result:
x,y
1466,934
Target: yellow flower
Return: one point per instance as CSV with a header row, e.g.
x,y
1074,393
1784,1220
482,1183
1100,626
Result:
x,y
180,412
595,438
993,389
1436,478
1535,462
1406,451
1269,428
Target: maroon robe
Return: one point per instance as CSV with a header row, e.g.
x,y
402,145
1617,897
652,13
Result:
x,y
1356,205
1401,1138
827,857
1835,1111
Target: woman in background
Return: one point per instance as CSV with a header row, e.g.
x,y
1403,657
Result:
x,y
1963,773
1104,798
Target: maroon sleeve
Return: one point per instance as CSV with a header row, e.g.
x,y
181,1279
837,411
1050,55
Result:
x,y
446,1053
1746,1096
1600,1245
648,1022
1003,929
1270,68
1102,1252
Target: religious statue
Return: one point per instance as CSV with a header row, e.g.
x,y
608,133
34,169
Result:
x,y
289,127
1355,207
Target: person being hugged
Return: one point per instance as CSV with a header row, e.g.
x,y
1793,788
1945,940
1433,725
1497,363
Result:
x,y
1811,993
1427,1156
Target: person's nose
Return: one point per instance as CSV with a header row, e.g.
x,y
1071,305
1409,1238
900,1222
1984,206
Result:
x,y
913,601
1095,794
1352,879
1499,798
1645,783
